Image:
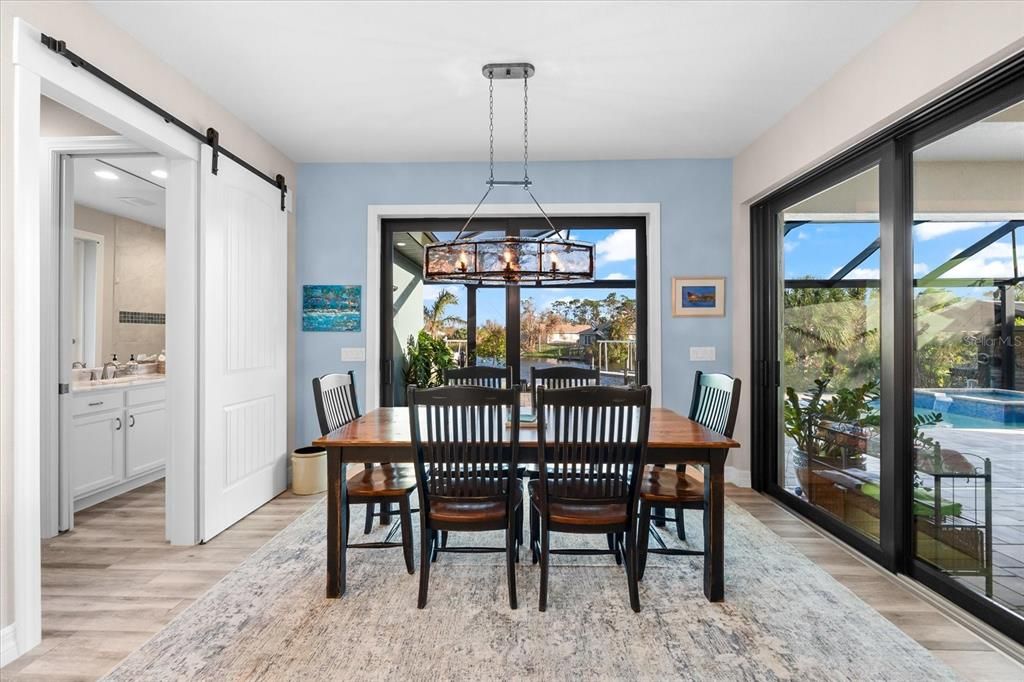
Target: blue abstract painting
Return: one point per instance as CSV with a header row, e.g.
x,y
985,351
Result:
x,y
699,297
331,308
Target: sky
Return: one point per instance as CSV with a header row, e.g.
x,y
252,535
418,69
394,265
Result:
x,y
819,250
615,251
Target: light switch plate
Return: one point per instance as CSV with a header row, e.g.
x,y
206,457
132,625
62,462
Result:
x,y
353,355
702,353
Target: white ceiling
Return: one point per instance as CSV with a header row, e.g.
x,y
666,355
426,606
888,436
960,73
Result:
x,y
401,81
135,194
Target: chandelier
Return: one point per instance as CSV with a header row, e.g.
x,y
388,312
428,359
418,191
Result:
x,y
510,260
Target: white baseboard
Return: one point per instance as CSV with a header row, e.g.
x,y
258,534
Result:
x,y
740,477
8,645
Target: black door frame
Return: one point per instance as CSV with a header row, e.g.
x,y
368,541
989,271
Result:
x,y
892,151
510,226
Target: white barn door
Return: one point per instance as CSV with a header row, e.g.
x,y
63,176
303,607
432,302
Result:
x,y
243,330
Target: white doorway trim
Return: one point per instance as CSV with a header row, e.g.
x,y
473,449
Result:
x,y
50,211
378,212
37,71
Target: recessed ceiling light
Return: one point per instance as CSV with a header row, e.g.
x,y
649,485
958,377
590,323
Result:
x,y
105,175
159,173
399,243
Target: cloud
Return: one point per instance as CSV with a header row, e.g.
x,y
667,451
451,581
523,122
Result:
x,y
620,245
995,262
864,273
928,231
617,275
921,269
789,246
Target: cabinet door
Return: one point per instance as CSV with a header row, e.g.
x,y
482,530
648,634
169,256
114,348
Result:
x,y
97,452
147,439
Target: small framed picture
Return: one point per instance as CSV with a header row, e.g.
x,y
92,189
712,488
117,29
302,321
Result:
x,y
698,296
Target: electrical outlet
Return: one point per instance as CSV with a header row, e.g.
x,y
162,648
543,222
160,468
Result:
x,y
353,355
702,353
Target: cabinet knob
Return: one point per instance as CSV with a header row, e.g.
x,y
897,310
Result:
x,y
118,420
131,420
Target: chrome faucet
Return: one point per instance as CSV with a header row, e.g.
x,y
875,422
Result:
x,y
112,366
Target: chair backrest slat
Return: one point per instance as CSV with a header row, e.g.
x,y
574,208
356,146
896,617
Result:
x,y
562,377
466,441
595,441
716,399
488,377
335,398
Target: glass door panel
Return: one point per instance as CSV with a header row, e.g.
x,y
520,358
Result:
x,y
968,398
830,348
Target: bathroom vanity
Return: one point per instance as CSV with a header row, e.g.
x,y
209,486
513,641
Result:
x,y
117,437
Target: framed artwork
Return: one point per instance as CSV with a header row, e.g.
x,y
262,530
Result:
x,y
331,308
698,296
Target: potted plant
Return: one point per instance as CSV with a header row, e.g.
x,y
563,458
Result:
x,y
834,432
426,358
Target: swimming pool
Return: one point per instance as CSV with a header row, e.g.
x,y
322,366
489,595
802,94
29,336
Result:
x,y
974,407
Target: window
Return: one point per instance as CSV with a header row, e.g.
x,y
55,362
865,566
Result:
x,y
594,324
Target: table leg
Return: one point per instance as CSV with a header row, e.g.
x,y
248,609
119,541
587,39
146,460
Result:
x,y
714,529
337,523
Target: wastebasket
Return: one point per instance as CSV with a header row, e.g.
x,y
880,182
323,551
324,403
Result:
x,y
309,470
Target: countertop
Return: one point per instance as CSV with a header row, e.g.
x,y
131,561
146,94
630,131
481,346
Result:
x,y
120,382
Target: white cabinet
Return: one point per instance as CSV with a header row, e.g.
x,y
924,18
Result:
x,y
118,441
98,460
146,439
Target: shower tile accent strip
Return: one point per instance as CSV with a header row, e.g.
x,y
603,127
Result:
x,y
130,317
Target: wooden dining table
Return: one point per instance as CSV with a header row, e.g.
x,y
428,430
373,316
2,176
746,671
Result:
x,y
383,435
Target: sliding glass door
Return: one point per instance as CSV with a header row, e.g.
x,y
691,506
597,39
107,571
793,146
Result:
x,y
888,392
830,352
600,324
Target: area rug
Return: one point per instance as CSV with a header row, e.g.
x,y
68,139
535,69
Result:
x,y
783,618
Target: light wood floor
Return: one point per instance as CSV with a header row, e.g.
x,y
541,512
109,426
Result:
x,y
113,582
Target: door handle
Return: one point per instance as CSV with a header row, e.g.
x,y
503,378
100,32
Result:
x,y
118,420
131,420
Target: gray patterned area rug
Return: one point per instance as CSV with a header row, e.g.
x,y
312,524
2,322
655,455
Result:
x,y
783,618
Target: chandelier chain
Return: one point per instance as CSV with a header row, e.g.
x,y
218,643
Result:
x,y
490,96
526,132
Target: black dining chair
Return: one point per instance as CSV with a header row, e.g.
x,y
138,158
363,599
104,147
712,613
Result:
x,y
488,377
714,405
562,377
594,441
479,375
384,484
466,441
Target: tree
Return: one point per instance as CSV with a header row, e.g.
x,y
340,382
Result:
x,y
426,358
434,318
490,341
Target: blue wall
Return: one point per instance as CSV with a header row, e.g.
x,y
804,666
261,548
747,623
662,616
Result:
x,y
695,197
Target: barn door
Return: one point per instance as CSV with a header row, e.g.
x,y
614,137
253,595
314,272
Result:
x,y
243,333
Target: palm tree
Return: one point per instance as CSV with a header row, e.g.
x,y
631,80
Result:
x,y
434,319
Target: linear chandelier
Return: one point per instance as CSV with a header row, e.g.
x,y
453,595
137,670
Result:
x,y
510,260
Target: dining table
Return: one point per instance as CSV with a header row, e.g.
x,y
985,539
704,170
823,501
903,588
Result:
x,y
384,435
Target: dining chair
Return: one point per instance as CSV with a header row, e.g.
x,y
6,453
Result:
x,y
336,405
562,377
714,405
594,440
466,441
479,375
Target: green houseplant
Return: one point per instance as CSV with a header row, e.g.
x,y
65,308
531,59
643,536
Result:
x,y
426,358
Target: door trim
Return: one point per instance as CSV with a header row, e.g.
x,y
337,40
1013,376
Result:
x,y
36,72
379,212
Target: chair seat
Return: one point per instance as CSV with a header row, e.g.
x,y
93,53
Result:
x,y
666,485
383,480
469,510
582,512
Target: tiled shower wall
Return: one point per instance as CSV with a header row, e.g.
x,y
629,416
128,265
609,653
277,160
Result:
x,y
134,276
